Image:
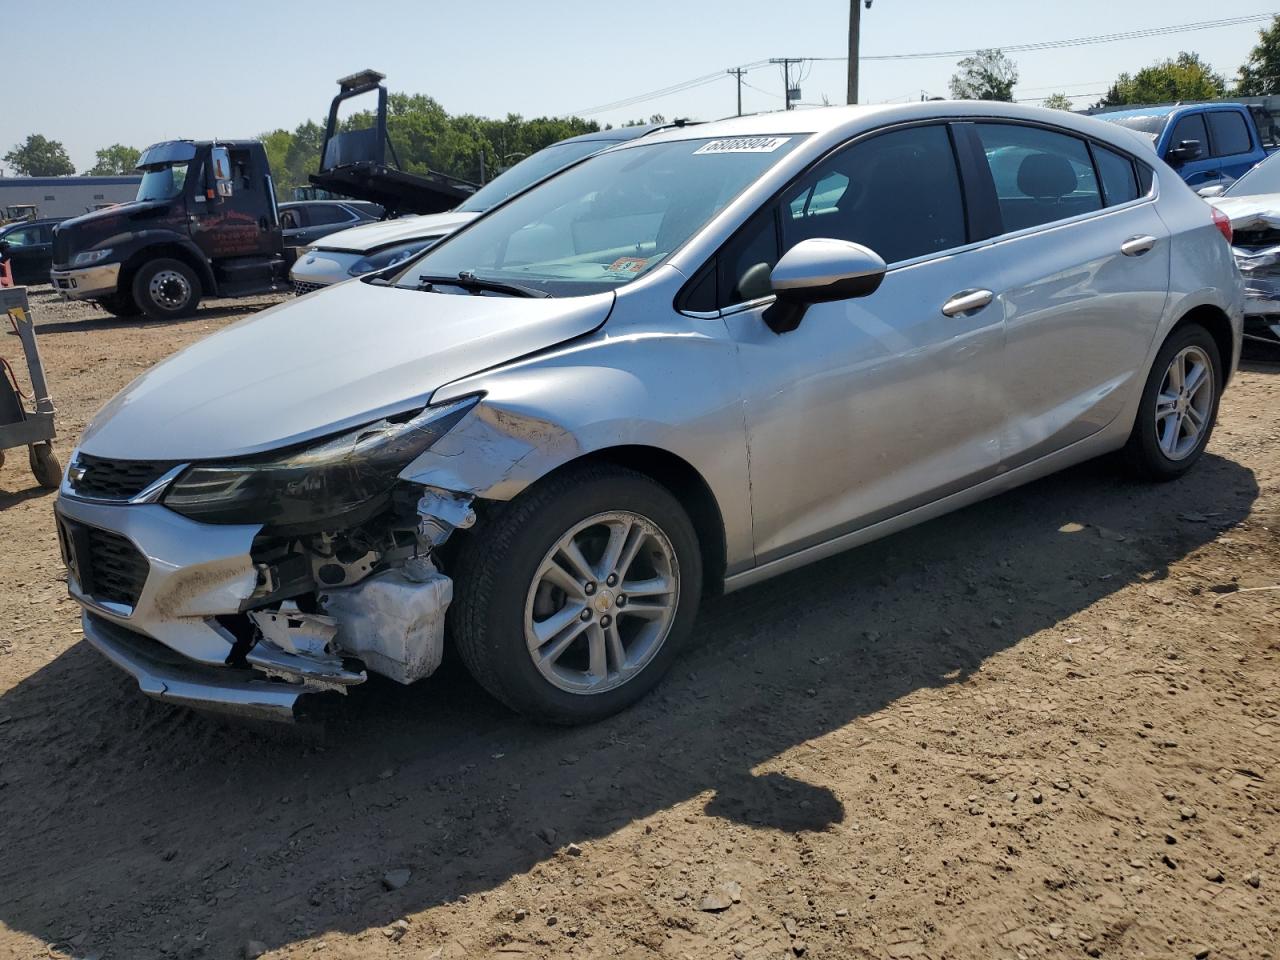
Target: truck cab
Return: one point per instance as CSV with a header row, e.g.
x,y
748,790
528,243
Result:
x,y
1206,143
204,223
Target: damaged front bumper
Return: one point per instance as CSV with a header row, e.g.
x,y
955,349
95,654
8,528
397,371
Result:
x,y
164,675
178,605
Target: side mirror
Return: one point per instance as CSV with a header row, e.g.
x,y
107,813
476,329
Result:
x,y
4,249
819,271
1213,190
1185,152
220,165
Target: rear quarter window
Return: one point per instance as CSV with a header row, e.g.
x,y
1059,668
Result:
x,y
1119,182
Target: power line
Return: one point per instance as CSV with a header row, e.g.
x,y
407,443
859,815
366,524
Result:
x,y
709,78
1073,41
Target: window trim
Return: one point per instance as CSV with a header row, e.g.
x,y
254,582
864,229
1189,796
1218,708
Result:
x,y
974,243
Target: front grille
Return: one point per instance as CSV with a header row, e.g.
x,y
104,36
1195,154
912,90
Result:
x,y
102,479
107,567
301,286
61,249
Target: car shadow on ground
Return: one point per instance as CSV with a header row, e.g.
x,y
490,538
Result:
x,y
137,826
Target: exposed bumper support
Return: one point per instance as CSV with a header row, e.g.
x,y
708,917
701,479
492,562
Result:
x,y
169,677
86,283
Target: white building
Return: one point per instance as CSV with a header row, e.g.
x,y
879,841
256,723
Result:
x,y
66,196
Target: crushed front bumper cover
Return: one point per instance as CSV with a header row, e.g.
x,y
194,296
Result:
x,y
167,676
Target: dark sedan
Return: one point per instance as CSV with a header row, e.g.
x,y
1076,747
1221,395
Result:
x,y
27,247
305,221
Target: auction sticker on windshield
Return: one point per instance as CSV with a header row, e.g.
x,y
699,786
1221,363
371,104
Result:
x,y
742,145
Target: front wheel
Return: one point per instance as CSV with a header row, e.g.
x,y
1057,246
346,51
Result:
x,y
573,600
166,290
1179,405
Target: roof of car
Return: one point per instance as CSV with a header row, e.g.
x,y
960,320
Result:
x,y
1161,110
839,123
615,134
5,227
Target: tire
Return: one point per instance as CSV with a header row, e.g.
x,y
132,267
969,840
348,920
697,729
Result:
x,y
44,466
1150,452
501,593
120,304
166,290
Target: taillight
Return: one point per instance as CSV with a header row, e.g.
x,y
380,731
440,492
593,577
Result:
x,y
1223,223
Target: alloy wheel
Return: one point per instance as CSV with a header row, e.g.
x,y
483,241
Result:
x,y
1184,403
602,602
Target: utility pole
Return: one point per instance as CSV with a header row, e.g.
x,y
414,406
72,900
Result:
x,y
786,75
738,72
855,40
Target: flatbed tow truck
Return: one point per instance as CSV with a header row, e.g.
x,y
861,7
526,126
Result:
x,y
206,224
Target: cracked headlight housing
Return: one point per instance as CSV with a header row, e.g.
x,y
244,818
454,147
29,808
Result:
x,y
390,257
325,484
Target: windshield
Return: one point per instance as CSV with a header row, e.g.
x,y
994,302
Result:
x,y
607,221
162,181
1150,124
530,170
1264,178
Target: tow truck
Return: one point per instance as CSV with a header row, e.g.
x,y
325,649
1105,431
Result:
x,y
206,223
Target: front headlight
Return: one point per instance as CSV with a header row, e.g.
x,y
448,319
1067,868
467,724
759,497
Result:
x,y
312,488
88,257
390,257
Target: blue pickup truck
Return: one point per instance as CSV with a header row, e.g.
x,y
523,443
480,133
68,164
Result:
x,y
1207,143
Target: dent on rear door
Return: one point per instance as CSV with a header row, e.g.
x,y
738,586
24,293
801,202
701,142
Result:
x,y
1080,316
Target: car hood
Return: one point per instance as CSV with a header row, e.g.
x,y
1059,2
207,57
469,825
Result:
x,y
371,236
324,363
1258,212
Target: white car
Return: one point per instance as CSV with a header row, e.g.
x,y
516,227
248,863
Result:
x,y
377,246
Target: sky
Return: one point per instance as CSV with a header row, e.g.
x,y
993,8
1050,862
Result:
x,y
91,74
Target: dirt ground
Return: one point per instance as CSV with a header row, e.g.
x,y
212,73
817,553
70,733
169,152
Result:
x,y
1047,726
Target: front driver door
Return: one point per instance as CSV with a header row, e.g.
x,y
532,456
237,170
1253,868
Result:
x,y
876,405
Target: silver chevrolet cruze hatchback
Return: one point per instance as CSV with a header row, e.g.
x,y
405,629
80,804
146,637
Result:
x,y
677,368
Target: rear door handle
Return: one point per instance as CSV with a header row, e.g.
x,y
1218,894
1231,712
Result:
x,y
966,302
1137,246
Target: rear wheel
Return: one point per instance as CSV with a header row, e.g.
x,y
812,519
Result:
x,y
120,304
166,289
1179,405
573,600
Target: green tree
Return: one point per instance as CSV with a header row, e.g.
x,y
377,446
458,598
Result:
x,y
1186,77
115,160
1057,101
1260,74
40,157
987,75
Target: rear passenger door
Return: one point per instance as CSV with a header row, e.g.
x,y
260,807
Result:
x,y
876,405
1083,279
1232,143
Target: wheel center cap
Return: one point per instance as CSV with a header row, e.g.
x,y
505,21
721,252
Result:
x,y
603,601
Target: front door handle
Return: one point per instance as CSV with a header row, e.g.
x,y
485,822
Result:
x,y
1137,246
966,302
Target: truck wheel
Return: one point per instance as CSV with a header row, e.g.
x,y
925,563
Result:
x,y
120,304
572,600
166,290
1179,406
44,465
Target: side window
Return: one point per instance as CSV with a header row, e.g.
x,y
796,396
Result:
x,y
1191,128
1119,185
25,237
1230,134
290,219
323,213
1146,177
1040,176
897,193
